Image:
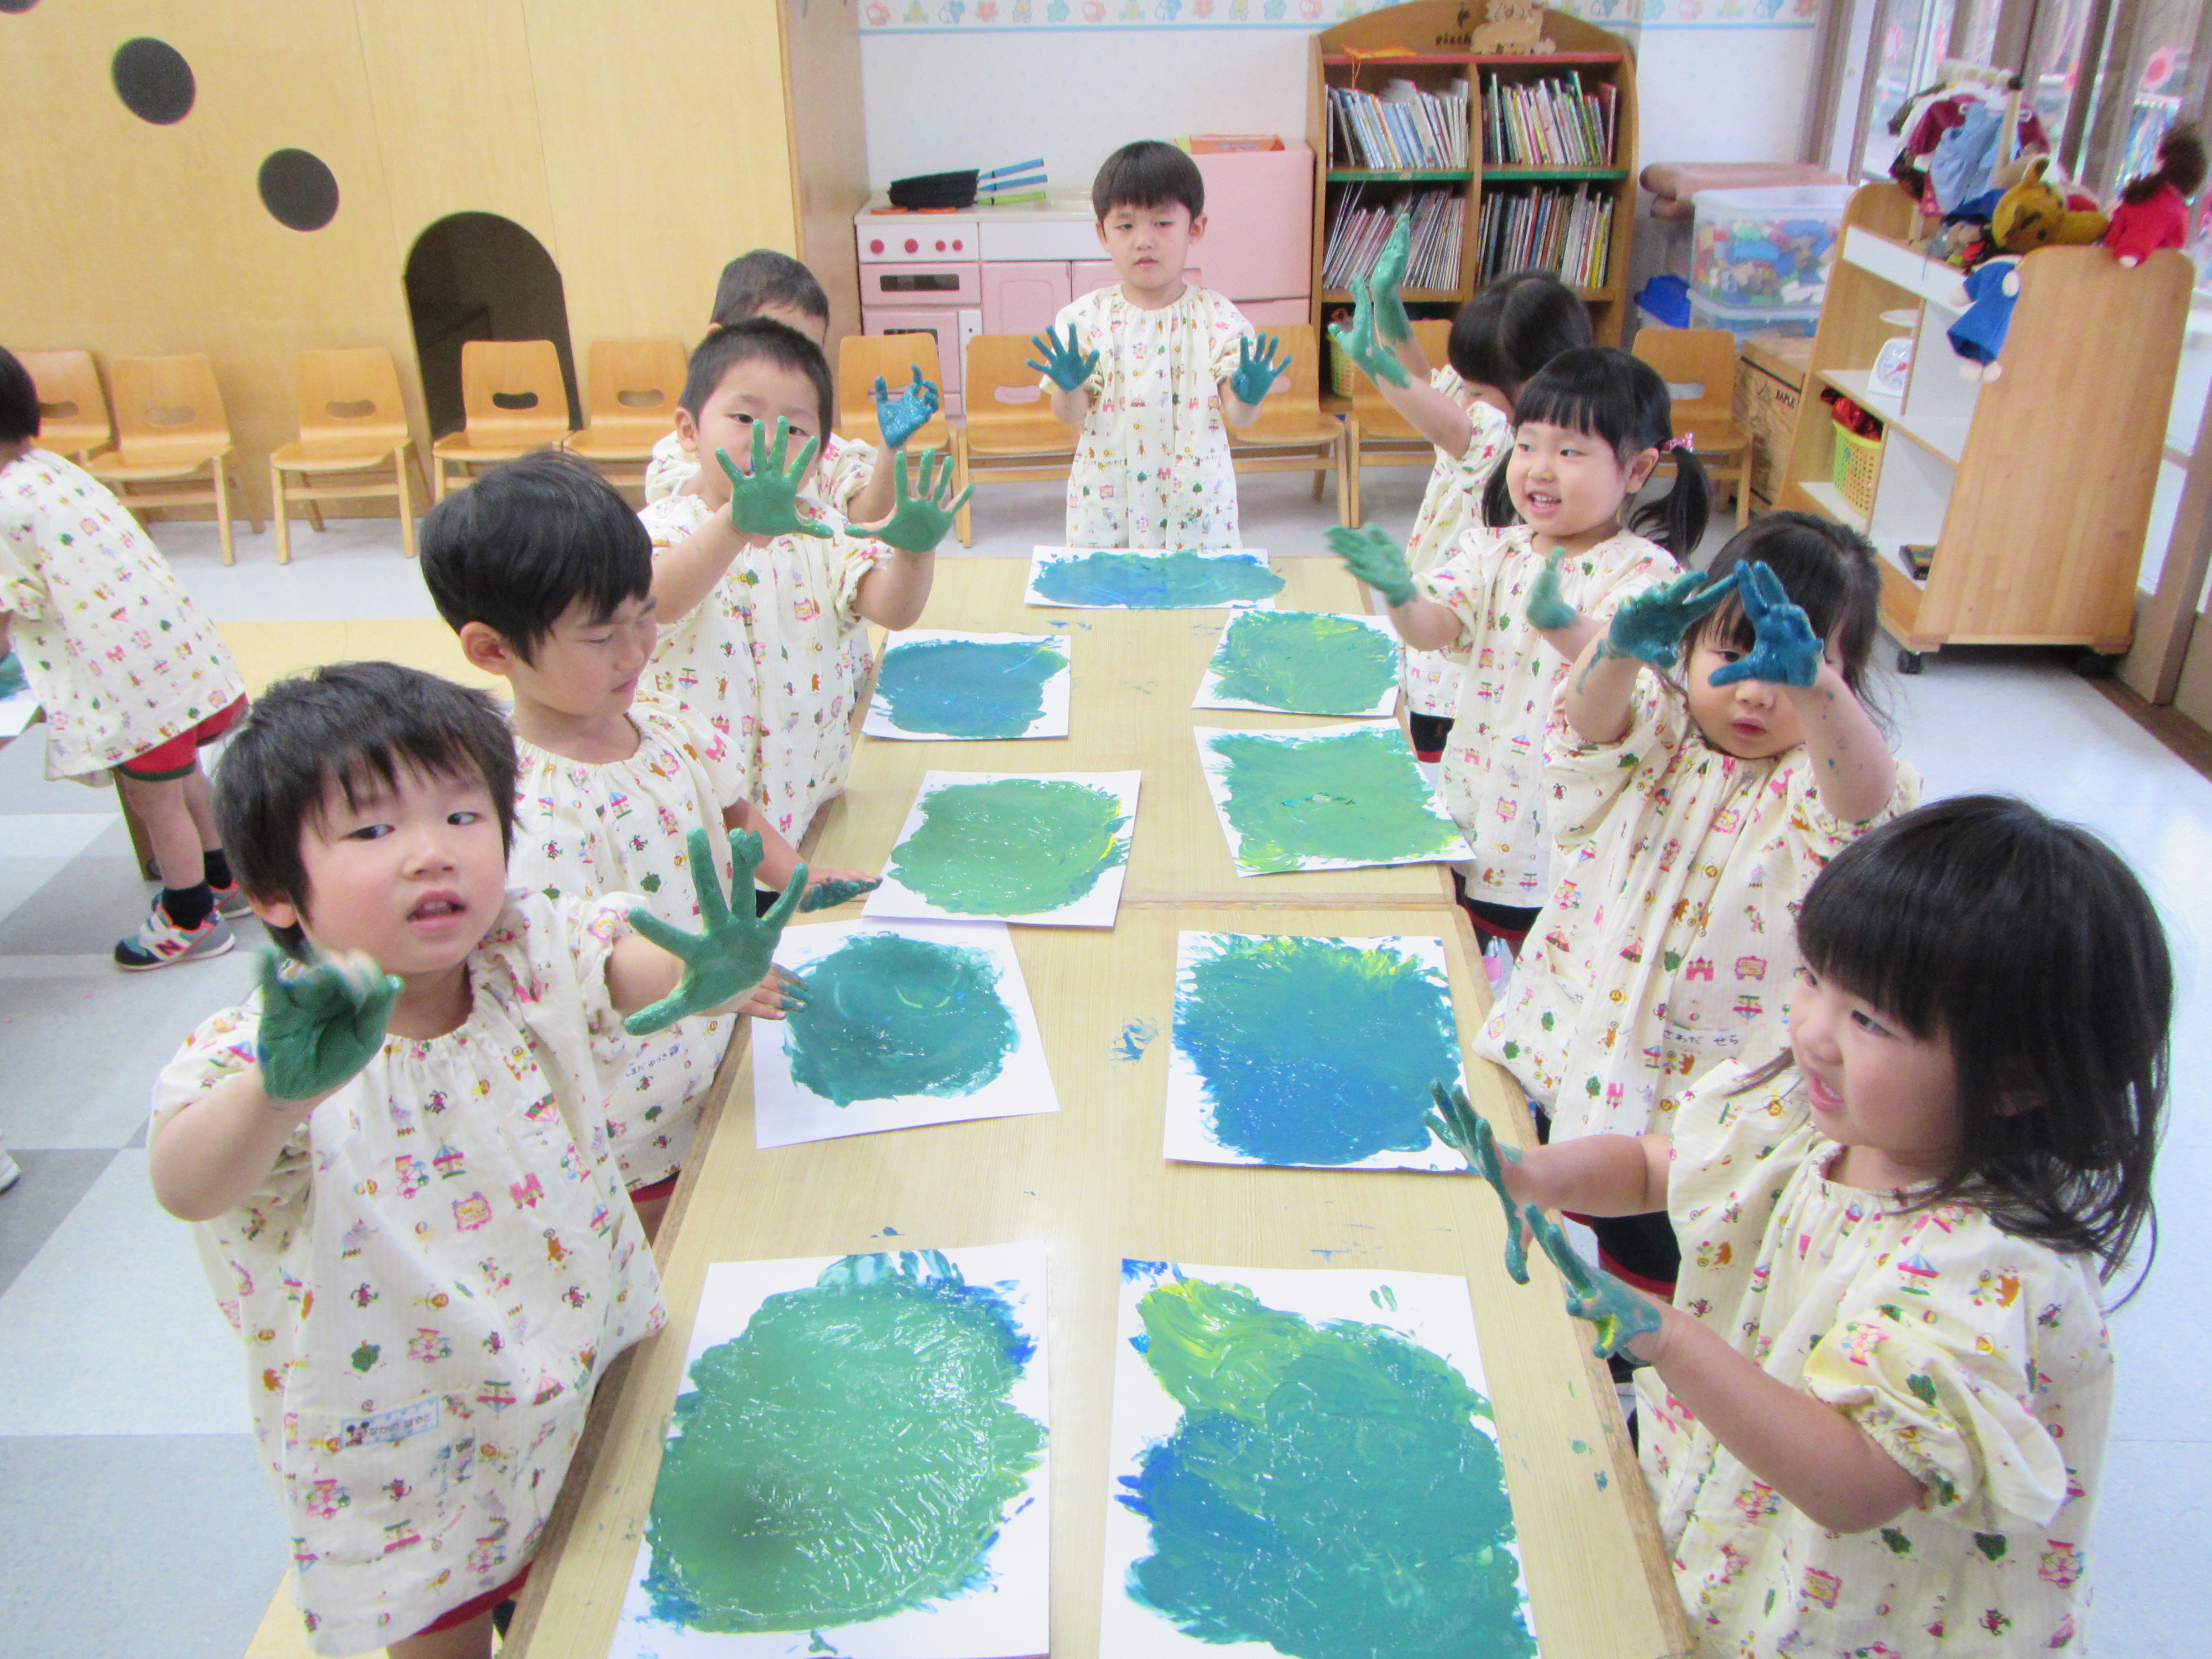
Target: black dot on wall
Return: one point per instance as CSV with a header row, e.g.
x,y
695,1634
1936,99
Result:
x,y
298,190
154,81
17,5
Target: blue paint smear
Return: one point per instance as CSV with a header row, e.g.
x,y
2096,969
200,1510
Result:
x,y
1315,1051
1156,581
976,689
1136,1037
1132,1268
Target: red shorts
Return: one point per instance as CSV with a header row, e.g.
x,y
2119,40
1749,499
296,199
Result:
x,y
177,757
656,1190
476,1607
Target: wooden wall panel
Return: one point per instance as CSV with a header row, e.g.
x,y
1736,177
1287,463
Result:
x,y
829,144
665,154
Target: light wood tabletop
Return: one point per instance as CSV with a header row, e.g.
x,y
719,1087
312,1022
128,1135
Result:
x,y
1135,673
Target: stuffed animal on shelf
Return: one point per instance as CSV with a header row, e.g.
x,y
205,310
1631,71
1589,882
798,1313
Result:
x,y
1512,26
1987,295
2154,210
2033,215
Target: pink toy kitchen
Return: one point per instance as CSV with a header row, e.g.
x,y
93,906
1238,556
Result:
x,y
1008,270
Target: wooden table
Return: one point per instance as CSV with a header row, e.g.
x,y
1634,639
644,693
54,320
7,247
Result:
x,y
1088,1182
1135,672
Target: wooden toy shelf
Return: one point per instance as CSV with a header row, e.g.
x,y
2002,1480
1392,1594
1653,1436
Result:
x,y
2034,488
1425,42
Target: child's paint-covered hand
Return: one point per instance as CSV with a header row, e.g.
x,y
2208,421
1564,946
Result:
x,y
731,953
901,414
1548,610
1457,1125
918,521
1256,371
1389,276
1786,652
1650,627
831,888
1358,342
320,1023
1620,1314
1067,365
1372,556
765,501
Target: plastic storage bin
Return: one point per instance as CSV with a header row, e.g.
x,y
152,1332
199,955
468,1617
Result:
x,y
1744,321
1765,247
1858,460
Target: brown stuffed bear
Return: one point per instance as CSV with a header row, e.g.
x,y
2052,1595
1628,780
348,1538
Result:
x,y
2033,215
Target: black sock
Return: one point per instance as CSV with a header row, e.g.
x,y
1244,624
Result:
x,y
188,907
218,867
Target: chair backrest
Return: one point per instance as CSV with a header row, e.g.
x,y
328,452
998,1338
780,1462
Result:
x,y
350,398
73,417
635,387
167,409
862,357
1698,364
999,363
1374,412
511,392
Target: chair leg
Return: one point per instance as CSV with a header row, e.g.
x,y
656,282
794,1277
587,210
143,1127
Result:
x,y
400,459
963,523
437,479
1320,478
222,487
279,514
315,517
1743,492
1351,471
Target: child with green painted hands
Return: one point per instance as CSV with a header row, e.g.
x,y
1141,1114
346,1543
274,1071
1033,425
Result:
x,y
395,1150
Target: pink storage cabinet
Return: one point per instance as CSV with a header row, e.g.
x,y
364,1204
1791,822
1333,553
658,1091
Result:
x,y
1023,296
1091,275
1258,245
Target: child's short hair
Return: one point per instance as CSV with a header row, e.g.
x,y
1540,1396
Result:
x,y
2030,947
352,725
19,400
1509,331
527,540
765,278
1147,174
758,340
1828,569
1621,401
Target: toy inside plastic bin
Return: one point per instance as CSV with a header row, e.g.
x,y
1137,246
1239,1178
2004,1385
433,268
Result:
x,y
1744,321
1767,247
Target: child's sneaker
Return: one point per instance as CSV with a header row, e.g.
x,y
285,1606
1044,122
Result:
x,y
10,1171
230,900
160,942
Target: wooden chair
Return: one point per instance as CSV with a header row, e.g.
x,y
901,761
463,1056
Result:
x,y
1292,432
73,417
1699,365
172,441
1375,434
632,390
353,441
1012,437
861,358
513,400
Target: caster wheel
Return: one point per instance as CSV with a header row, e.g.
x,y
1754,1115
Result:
x,y
2091,665
1911,662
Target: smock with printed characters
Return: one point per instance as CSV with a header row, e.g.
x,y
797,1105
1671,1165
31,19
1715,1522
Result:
x,y
1451,506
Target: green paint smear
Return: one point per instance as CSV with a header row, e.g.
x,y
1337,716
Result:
x,y
1156,581
1355,795
1012,846
1305,662
848,1457
886,1017
1284,1035
1326,1492
967,688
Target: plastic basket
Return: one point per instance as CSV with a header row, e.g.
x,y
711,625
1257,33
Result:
x,y
1858,461
1340,370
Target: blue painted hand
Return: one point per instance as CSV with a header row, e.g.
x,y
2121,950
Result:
x,y
900,415
732,951
1391,323
319,1024
1650,626
1359,343
918,521
1376,560
1256,371
1455,1123
1620,1313
765,501
1548,610
1065,364
1785,651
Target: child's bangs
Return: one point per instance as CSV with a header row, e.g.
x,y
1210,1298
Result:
x,y
1573,404
378,770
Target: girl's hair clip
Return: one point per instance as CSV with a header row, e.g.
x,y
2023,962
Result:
x,y
1682,442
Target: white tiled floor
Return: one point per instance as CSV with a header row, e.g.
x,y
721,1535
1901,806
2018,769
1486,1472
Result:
x,y
129,1497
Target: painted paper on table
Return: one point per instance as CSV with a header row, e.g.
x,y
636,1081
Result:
x,y
905,1023
938,684
1303,662
1330,797
1305,1462
1046,847
1152,579
1293,1050
856,1465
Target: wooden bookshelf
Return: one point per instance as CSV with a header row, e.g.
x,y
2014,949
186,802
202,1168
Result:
x,y
1426,42
2034,488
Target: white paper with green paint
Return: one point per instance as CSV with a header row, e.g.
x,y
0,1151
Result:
x,y
1303,662
1343,797
1048,848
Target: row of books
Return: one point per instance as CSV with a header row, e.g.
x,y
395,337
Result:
x,y
1568,231
1357,234
1548,123
1403,128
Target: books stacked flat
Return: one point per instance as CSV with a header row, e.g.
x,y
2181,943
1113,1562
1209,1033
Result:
x,y
1548,123
1569,232
1404,128
1357,233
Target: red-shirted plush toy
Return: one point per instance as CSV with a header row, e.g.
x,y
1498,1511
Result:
x,y
2153,211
